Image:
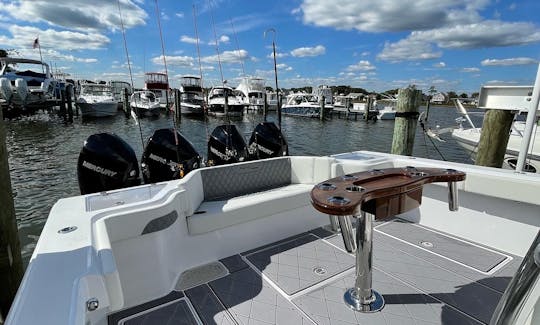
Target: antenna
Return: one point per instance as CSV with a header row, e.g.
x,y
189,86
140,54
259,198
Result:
x,y
275,74
129,65
238,48
200,69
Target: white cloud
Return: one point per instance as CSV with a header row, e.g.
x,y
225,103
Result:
x,y
188,39
362,65
179,14
507,62
308,51
284,67
473,69
227,57
379,16
408,49
439,65
79,14
223,39
278,55
181,61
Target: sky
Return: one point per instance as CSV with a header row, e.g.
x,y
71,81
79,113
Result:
x,y
452,45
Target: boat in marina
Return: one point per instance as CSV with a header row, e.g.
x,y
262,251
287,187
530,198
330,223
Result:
x,y
272,100
469,137
96,100
324,91
145,103
445,253
26,82
191,96
119,88
254,91
386,108
225,101
158,83
303,105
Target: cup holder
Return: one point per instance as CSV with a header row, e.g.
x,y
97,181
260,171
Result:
x,y
376,172
326,186
417,174
451,171
338,200
349,177
355,188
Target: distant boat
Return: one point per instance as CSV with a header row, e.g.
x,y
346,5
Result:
x,y
323,92
191,96
303,105
118,89
254,91
158,83
145,103
96,100
216,102
272,100
386,108
25,82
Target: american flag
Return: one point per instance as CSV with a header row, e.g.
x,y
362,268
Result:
x,y
36,42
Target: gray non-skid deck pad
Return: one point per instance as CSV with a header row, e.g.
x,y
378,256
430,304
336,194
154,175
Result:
x,y
458,250
201,274
177,313
404,305
251,300
208,307
300,263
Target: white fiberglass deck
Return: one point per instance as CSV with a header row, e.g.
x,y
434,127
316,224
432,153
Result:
x,y
242,244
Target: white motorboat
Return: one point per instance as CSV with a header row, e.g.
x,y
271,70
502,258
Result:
x,y
191,96
254,91
96,100
119,89
145,103
302,104
386,108
225,101
272,100
323,91
469,138
158,83
243,242
25,82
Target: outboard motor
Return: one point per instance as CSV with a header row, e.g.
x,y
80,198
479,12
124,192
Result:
x,y
163,160
267,141
106,162
226,146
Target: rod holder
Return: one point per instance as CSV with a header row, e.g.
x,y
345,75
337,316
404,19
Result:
x,y
347,232
453,202
334,223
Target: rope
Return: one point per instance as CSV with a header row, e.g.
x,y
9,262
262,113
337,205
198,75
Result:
x,y
431,140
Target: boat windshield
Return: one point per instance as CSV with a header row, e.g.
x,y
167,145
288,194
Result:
x,y
96,90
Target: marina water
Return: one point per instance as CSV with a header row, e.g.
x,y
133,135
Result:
x,y
43,151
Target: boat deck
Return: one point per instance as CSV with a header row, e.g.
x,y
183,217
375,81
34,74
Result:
x,y
425,277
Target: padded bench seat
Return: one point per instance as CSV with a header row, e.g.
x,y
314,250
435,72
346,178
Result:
x,y
214,215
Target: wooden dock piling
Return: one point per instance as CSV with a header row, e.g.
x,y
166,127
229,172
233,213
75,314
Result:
x,y
11,266
69,93
367,108
265,108
178,105
408,101
494,138
125,103
63,111
321,110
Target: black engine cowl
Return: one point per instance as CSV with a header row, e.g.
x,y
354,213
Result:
x,y
106,162
163,160
226,146
267,141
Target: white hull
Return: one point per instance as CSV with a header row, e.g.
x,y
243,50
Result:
x,y
191,109
102,109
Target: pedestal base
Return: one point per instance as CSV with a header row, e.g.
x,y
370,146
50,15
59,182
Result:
x,y
353,301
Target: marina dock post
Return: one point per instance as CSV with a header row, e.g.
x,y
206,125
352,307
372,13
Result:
x,y
63,111
494,138
178,105
265,111
127,107
69,93
367,108
408,101
11,266
321,110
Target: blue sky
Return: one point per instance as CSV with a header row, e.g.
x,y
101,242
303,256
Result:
x,y
456,45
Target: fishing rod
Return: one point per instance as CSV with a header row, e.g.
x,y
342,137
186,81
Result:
x,y
275,74
176,142
200,70
130,72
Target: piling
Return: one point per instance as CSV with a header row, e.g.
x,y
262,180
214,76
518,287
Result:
x,y
178,104
321,110
11,266
265,108
494,137
69,92
408,101
367,108
63,104
125,103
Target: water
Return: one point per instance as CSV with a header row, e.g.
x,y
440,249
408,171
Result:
x,y
43,151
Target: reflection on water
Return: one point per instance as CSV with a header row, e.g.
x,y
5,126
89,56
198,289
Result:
x,y
43,151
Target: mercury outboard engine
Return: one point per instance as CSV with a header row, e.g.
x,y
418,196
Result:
x,y
226,146
106,162
163,160
267,141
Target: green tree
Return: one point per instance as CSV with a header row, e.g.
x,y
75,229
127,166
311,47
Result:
x,y
3,53
464,95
